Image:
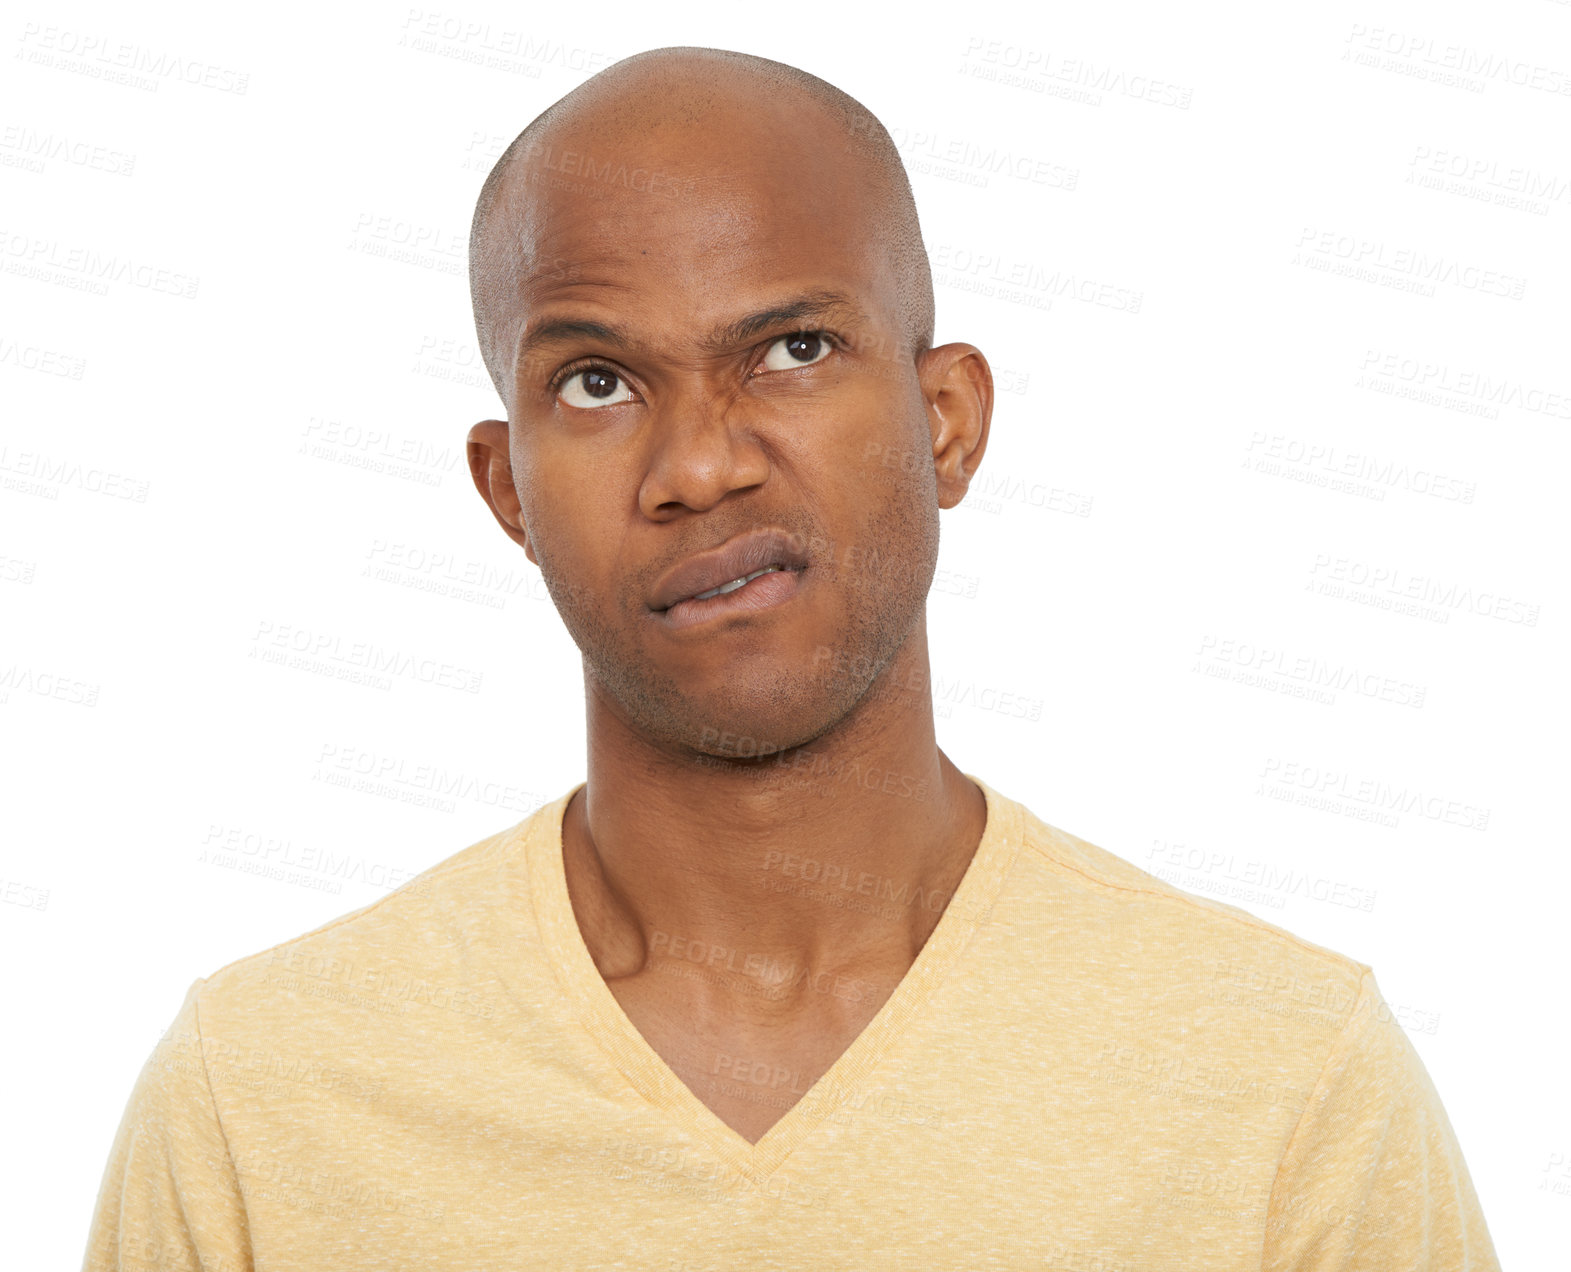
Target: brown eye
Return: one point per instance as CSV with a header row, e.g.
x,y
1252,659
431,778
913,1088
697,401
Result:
x,y
799,349
592,387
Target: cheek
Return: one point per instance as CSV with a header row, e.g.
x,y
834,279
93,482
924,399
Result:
x,y
884,464
556,529
578,531
546,495
856,438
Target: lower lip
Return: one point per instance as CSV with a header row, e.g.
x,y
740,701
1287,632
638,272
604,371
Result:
x,y
764,592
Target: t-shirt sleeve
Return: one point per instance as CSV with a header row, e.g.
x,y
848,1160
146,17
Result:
x,y
170,1199
1373,1177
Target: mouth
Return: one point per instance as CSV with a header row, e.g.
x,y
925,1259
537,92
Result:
x,y
763,589
751,566
733,585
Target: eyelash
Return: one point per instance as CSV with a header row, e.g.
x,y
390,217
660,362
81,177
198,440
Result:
x,y
595,364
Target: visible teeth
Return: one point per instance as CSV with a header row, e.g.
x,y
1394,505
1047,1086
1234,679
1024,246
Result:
x,y
734,583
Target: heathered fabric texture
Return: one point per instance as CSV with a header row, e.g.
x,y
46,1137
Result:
x,y
1085,1069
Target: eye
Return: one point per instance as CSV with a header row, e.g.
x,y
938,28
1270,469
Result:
x,y
799,349
589,387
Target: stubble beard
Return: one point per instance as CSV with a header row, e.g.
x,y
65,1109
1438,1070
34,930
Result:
x,y
789,706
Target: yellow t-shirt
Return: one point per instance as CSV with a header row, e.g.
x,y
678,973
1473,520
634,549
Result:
x,y
1085,1069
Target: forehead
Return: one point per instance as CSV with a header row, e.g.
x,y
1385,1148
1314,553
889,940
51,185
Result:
x,y
701,218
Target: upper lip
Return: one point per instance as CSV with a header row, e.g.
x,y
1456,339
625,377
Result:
x,y
734,558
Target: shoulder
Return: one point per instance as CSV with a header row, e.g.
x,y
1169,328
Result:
x,y
415,949
1138,927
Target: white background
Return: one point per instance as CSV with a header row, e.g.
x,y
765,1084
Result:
x,y
188,482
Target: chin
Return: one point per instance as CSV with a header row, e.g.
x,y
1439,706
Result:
x,y
746,737
752,733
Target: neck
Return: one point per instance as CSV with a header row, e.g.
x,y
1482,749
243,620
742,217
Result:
x,y
835,857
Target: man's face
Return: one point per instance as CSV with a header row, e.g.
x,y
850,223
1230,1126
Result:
x,y
682,435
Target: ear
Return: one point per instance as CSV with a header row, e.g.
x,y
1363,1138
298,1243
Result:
x,y
957,384
491,465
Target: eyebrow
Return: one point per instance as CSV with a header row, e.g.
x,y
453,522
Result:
x,y
822,306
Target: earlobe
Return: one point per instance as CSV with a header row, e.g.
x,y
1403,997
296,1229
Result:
x,y
491,467
958,386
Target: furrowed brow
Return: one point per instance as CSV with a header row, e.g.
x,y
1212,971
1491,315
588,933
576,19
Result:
x,y
819,306
565,330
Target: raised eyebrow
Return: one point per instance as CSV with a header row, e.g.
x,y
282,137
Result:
x,y
815,306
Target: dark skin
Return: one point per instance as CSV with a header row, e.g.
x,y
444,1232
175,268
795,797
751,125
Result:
x,y
680,832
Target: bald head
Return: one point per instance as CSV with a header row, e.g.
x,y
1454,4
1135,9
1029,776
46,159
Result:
x,y
685,95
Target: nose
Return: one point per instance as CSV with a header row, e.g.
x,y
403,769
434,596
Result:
x,y
701,450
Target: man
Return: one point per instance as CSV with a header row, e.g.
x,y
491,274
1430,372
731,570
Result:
x,y
777,986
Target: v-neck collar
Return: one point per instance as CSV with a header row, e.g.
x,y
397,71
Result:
x,y
649,1074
